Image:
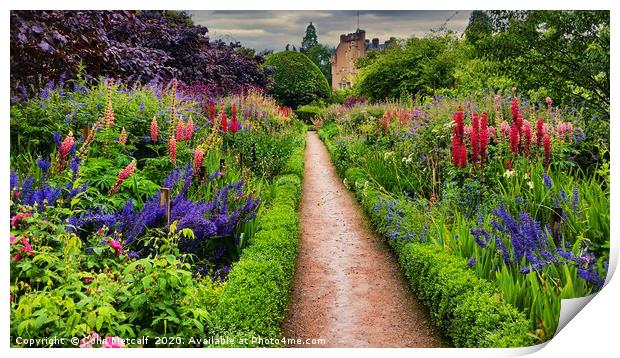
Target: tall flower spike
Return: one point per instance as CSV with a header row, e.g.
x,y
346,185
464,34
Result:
x,y
540,132
514,139
109,116
172,149
475,138
198,156
123,137
189,129
224,122
527,131
122,176
154,129
180,133
173,110
547,145
484,137
66,145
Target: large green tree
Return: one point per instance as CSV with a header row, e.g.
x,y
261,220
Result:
x,y
316,52
310,39
296,79
563,53
415,66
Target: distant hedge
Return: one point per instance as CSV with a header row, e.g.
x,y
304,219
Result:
x,y
296,79
308,113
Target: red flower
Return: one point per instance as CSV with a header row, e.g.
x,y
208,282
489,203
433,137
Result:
x,y
224,122
234,111
475,138
154,129
122,176
514,139
180,134
116,246
198,156
459,150
514,108
455,151
508,164
189,129
528,139
66,145
547,145
88,280
484,136
172,149
540,132
212,111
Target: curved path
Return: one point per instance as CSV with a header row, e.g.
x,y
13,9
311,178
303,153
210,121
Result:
x,y
347,288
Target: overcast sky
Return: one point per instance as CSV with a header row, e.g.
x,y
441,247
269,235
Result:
x,y
274,29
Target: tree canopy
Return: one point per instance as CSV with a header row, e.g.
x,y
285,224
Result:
x,y
296,79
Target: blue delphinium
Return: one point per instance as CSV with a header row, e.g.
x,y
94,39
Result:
x,y
75,165
547,180
471,262
44,164
575,202
14,180
57,138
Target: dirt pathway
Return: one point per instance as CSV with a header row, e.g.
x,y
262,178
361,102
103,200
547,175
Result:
x,y
347,288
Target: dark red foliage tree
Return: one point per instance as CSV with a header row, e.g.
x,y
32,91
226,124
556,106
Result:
x,y
135,46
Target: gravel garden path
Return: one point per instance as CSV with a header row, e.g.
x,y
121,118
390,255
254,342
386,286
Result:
x,y
347,287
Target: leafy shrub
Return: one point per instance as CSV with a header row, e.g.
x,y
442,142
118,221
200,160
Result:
x,y
296,79
253,302
136,46
307,113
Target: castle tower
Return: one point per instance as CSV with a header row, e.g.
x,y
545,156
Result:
x,y
351,47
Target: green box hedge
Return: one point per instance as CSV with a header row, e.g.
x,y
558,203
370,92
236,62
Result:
x,y
253,301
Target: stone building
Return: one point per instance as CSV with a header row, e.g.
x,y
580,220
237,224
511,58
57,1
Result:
x,y
351,47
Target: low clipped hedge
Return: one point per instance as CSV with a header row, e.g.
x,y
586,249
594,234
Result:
x,y
308,113
253,302
463,306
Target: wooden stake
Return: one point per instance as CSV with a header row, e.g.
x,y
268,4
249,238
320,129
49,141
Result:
x,y
164,201
86,131
556,219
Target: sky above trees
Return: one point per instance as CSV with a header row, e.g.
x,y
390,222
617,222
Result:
x,y
272,30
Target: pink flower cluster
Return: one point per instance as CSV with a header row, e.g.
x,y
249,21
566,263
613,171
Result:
x,y
184,131
94,338
24,246
154,129
17,218
116,245
122,176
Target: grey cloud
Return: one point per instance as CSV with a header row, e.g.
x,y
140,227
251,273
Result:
x,y
273,29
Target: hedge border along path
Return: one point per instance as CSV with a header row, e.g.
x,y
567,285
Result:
x,y
251,306
347,291
464,307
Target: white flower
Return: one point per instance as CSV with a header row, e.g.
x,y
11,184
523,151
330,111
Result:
x,y
509,173
530,184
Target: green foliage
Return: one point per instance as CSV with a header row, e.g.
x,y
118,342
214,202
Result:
x,y
308,113
253,302
62,292
296,79
418,66
551,45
